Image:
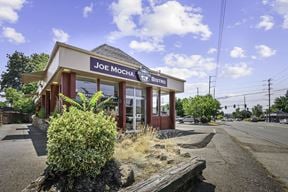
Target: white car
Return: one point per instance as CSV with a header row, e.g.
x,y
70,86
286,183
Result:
x,y
284,121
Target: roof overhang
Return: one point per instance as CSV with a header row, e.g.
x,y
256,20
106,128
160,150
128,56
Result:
x,y
32,77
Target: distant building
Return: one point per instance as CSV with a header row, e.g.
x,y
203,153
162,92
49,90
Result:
x,y
277,116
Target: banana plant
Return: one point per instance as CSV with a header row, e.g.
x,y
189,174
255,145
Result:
x,y
85,103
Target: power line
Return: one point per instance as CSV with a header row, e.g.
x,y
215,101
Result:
x,y
252,93
221,28
269,102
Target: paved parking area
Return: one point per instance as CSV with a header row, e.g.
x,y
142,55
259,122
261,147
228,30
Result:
x,y
22,156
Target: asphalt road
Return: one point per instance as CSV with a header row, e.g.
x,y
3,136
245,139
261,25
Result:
x,y
266,142
22,156
230,167
272,132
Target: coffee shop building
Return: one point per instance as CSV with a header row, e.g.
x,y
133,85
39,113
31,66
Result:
x,y
140,96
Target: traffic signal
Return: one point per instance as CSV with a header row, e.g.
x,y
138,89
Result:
x,y
245,106
225,107
234,106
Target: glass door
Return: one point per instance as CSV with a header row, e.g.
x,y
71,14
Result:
x,y
135,108
130,114
140,113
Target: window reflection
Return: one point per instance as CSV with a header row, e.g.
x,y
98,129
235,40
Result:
x,y
155,105
164,103
86,86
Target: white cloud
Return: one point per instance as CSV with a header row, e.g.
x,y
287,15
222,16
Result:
x,y
266,22
212,50
237,52
193,61
265,2
13,36
87,10
123,11
157,20
265,51
146,46
173,18
281,7
182,73
237,70
8,10
60,35
285,22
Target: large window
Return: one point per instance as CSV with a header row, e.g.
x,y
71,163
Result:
x,y
155,106
110,90
86,86
164,103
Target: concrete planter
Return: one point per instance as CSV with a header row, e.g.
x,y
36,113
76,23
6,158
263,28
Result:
x,y
41,124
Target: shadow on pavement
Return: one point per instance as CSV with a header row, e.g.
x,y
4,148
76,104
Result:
x,y
15,137
39,140
205,187
166,134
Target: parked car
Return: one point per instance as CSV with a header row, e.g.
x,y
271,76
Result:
x,y
283,121
178,118
189,119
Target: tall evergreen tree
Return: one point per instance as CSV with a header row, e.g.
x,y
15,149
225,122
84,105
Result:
x,y
16,65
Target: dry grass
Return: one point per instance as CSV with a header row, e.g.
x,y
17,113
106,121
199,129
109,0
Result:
x,y
140,152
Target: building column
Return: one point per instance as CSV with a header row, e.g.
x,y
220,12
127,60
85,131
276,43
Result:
x,y
54,97
47,104
72,85
149,105
122,106
43,101
98,85
172,109
68,84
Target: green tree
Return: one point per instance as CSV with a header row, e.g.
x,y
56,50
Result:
x,y
257,110
201,106
37,62
179,107
19,101
16,65
237,114
281,104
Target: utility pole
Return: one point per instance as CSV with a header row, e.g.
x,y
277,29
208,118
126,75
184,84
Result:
x,y
269,100
209,83
244,103
197,91
214,92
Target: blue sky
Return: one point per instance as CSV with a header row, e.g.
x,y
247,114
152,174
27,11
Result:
x,y
177,37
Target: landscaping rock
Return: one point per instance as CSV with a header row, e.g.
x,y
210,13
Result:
x,y
170,161
163,157
126,175
159,146
187,155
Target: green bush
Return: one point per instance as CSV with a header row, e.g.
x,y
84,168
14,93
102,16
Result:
x,y
80,142
204,119
42,113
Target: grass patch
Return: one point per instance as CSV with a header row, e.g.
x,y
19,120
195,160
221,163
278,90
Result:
x,y
146,153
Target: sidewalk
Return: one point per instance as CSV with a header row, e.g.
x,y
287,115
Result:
x,y
22,156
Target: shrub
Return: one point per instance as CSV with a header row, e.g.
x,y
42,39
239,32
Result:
x,y
204,119
80,142
41,113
